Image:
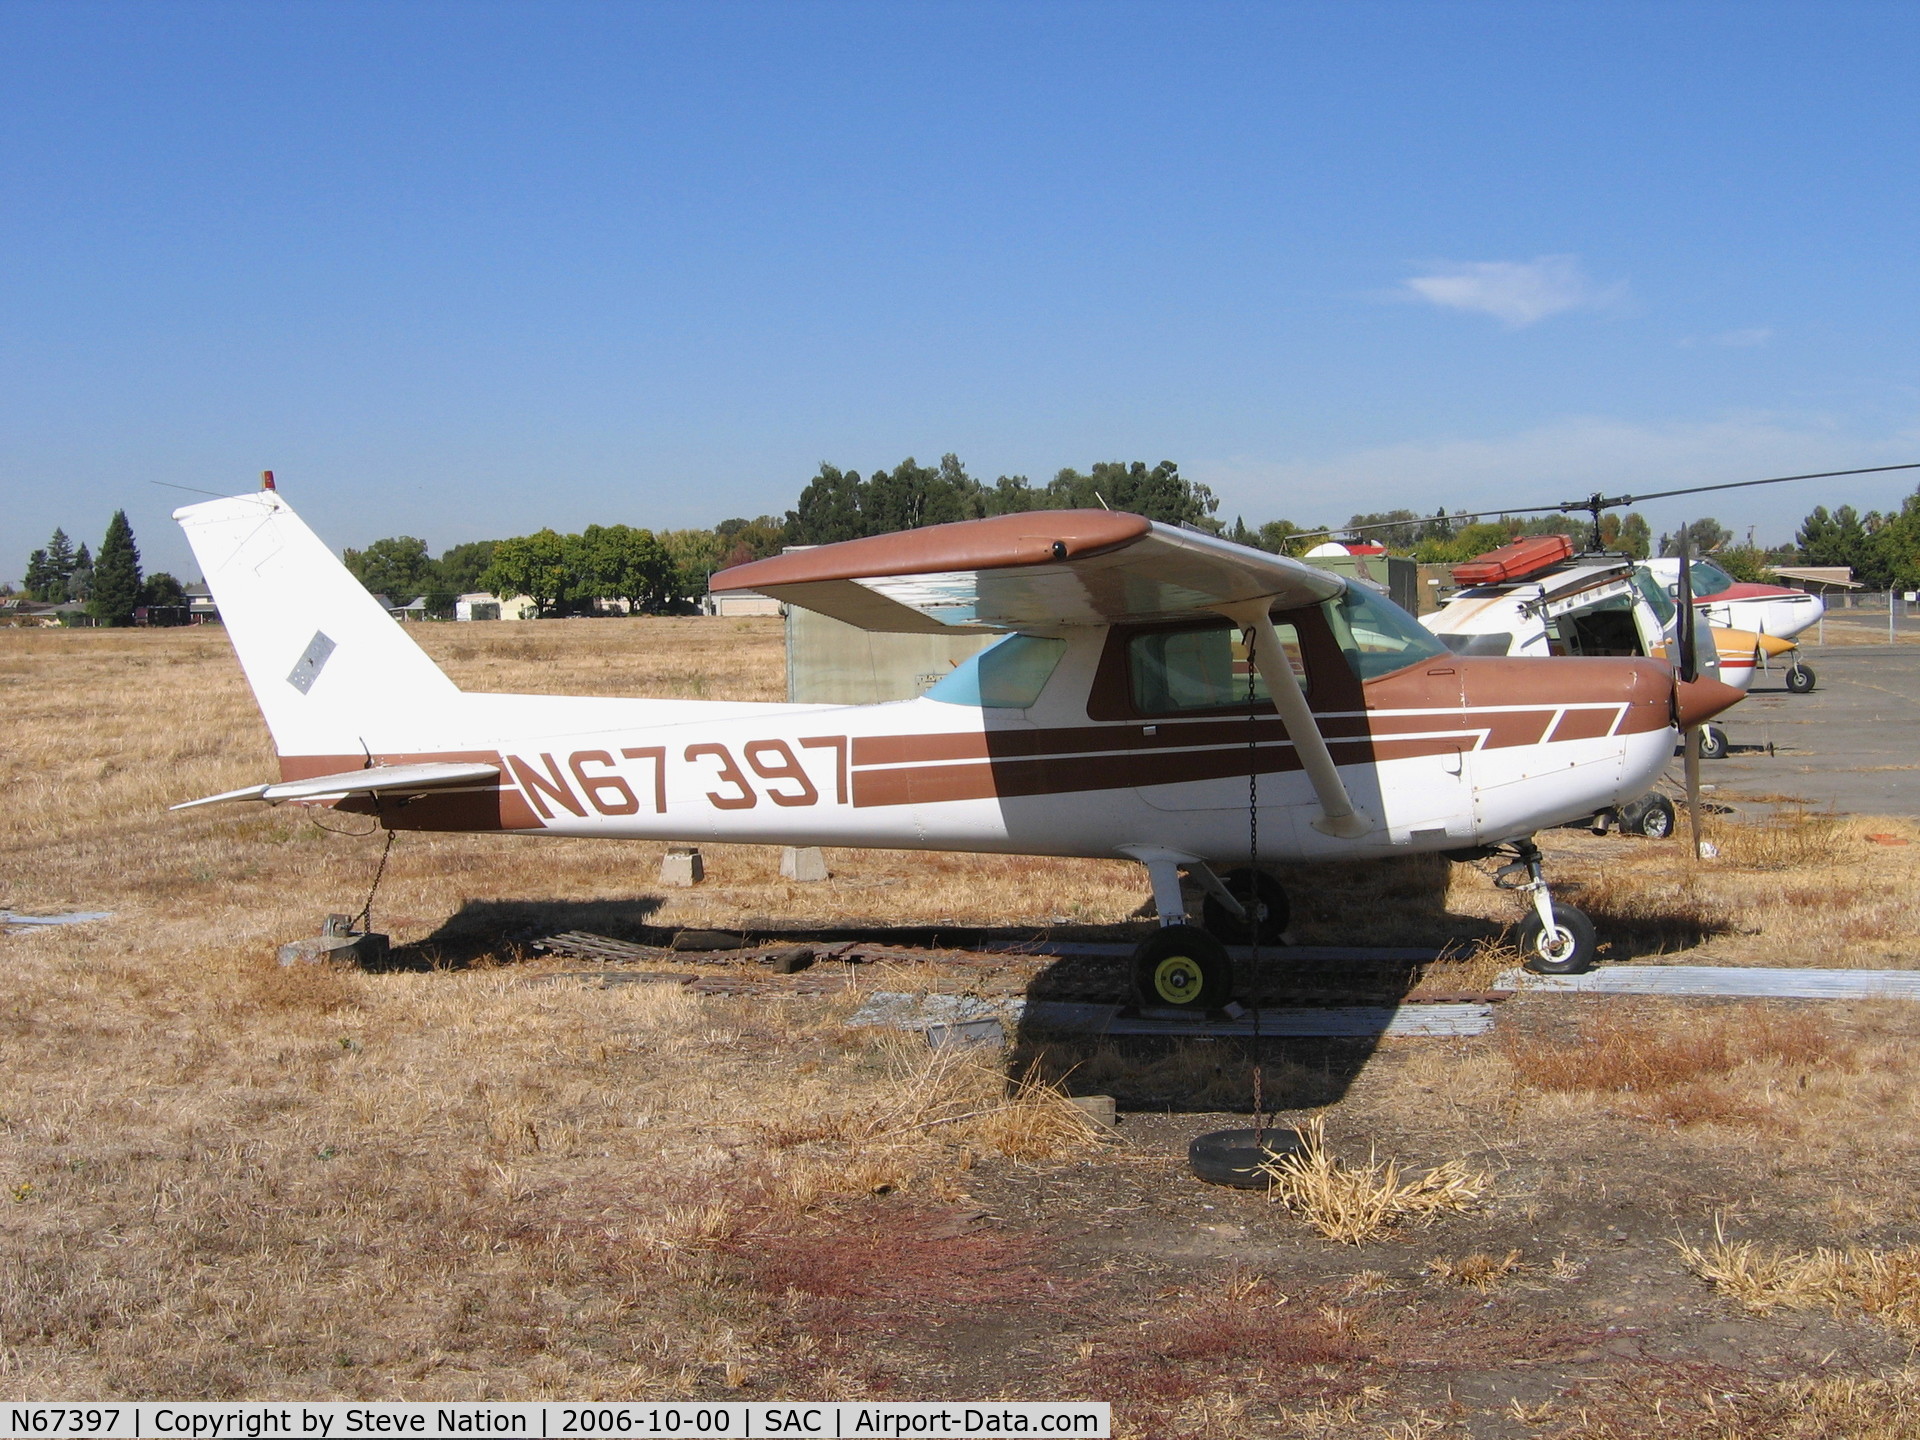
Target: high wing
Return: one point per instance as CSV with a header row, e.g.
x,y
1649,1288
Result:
x,y
377,780
1046,569
1031,571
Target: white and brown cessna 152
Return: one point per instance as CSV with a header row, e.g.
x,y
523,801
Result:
x,y
1157,691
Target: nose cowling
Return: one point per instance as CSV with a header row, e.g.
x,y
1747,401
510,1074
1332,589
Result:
x,y
1697,701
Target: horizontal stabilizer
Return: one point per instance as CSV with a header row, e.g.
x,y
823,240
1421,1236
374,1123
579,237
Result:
x,y
379,780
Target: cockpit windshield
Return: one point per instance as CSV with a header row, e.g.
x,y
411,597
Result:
x,y
1376,635
1708,578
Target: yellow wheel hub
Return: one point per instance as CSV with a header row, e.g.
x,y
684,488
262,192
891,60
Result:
x,y
1177,979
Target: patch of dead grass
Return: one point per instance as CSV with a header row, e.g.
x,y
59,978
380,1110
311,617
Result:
x,y
1352,1204
1883,1285
1479,1270
1785,840
1676,1069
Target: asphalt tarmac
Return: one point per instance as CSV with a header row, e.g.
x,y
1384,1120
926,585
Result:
x,y
1852,745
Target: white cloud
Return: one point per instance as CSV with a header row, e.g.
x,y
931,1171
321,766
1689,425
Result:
x,y
1515,293
1573,457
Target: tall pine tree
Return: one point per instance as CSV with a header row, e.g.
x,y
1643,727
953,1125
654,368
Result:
x,y
116,575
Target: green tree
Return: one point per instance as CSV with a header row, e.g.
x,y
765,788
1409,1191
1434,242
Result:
x,y
751,539
55,569
695,556
38,576
115,587
531,565
1011,495
162,589
1635,537
1281,537
912,495
620,562
80,578
1896,546
397,567
462,566
1159,494
1702,536
1399,529
828,510
1836,539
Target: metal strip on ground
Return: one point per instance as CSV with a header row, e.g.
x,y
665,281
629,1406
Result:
x,y
905,1011
1726,981
1111,949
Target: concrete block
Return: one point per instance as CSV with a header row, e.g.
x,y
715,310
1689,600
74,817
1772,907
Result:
x,y
1099,1109
335,949
803,864
681,867
986,1033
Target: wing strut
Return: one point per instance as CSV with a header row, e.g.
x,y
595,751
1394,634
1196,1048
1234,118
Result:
x,y
1337,814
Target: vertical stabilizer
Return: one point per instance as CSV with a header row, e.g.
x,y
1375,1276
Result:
x,y
328,665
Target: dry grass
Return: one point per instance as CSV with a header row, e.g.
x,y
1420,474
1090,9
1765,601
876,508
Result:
x,y
1477,1271
1680,1403
1881,1284
1681,1068
1788,839
1352,1204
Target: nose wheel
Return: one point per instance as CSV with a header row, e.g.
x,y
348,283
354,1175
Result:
x,y
1555,938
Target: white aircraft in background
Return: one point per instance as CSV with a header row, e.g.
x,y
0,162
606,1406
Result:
x,y
1147,673
1742,604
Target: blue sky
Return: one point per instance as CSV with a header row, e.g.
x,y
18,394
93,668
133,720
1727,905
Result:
x,y
465,270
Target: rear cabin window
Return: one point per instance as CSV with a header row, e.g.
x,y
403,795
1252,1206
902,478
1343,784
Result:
x,y
1007,675
1174,671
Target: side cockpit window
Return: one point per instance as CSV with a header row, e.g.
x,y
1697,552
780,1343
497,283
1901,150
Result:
x,y
1173,671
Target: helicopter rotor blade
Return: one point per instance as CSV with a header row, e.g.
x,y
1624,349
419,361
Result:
x,y
1597,502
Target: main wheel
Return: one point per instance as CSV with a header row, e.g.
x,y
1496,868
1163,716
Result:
x,y
1800,679
1182,967
1263,896
1571,951
1650,815
1714,744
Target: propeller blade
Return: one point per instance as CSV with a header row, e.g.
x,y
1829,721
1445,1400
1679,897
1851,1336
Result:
x,y
1692,769
1687,640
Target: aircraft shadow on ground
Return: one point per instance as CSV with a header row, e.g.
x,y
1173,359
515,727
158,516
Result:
x,y
493,932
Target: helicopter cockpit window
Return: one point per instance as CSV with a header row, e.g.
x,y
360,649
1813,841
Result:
x,y
1201,669
1008,675
1376,635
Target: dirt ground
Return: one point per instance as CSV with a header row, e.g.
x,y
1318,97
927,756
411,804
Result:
x,y
469,1176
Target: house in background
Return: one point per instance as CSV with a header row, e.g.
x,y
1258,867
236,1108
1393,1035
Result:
x,y
479,605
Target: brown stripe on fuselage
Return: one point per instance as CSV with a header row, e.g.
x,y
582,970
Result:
x,y
1508,704
1584,725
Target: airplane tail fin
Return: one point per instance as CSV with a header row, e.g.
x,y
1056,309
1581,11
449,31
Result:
x,y
327,664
